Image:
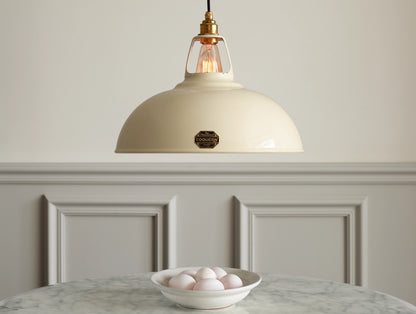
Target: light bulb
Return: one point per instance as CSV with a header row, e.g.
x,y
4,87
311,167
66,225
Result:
x,y
209,59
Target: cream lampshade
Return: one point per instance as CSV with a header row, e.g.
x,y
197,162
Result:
x,y
209,112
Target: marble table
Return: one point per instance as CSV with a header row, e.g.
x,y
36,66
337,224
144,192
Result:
x,y
136,294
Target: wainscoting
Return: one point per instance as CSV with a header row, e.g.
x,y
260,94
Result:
x,y
98,236
352,223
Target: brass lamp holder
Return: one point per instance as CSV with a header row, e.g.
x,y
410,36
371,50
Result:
x,y
209,27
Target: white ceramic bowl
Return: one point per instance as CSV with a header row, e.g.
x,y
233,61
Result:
x,y
206,299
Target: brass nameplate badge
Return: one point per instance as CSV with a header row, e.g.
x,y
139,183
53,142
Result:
x,y
207,139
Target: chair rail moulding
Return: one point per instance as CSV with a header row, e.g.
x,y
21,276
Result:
x,y
353,209
59,208
208,173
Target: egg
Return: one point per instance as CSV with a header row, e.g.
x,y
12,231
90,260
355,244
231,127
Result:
x,y
189,272
219,272
205,273
231,281
182,281
209,285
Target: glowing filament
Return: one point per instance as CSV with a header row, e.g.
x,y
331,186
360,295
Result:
x,y
209,59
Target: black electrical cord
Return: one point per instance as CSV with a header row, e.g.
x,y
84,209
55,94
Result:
x,y
209,5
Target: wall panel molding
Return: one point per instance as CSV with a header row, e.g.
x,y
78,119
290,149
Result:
x,y
353,208
59,208
203,192
208,173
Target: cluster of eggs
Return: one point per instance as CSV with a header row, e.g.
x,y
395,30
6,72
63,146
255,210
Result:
x,y
205,279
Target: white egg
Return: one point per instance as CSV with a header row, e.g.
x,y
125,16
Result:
x,y
205,273
189,272
231,281
219,272
209,285
182,281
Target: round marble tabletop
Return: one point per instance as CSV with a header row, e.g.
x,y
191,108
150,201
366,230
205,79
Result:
x,y
136,294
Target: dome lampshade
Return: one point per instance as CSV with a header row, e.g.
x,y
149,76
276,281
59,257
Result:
x,y
209,112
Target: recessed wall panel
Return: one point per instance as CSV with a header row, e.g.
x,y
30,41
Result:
x,y
101,236
102,246
306,246
309,235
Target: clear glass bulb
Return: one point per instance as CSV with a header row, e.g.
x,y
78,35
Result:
x,y
209,59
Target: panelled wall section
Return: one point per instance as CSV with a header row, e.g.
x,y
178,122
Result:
x,y
351,223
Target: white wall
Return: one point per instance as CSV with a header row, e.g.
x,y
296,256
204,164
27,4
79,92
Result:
x,y
72,71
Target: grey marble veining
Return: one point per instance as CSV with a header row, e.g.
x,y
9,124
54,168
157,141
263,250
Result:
x,y
136,294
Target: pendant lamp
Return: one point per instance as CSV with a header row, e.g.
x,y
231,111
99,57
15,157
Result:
x,y
209,112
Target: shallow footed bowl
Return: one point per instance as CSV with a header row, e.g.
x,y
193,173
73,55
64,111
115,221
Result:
x,y
205,300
